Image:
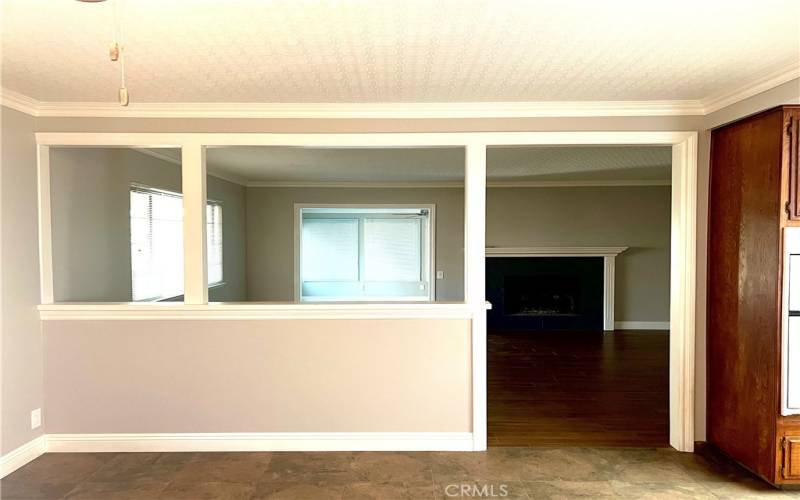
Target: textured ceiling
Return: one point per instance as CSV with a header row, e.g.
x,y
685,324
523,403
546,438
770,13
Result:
x,y
396,50
312,165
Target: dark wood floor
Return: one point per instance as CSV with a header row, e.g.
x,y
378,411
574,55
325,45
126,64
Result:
x,y
578,388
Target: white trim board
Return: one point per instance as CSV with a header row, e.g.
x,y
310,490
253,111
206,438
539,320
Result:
x,y
450,184
683,229
248,311
26,453
641,325
261,441
526,109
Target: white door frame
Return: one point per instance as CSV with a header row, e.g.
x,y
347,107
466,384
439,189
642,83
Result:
x,y
683,240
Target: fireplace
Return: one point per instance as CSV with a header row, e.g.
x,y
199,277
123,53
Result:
x,y
545,293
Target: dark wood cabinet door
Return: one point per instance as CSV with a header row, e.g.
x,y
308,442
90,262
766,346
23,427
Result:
x,y
793,158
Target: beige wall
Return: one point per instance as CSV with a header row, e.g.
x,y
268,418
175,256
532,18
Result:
x,y
21,339
637,217
270,234
91,222
258,376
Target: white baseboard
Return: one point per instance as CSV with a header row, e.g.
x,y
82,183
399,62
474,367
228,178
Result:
x,y
266,441
28,452
641,325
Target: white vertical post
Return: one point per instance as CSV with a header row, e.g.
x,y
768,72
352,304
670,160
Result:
x,y
683,280
45,221
609,266
195,272
475,281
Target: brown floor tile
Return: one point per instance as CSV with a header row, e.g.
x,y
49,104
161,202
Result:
x,y
311,467
546,490
661,491
227,468
378,467
58,468
208,491
141,489
31,489
297,490
125,467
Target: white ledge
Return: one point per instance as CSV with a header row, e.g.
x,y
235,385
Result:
x,y
554,251
235,310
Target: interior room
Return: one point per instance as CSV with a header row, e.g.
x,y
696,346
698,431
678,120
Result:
x,y
578,332
399,249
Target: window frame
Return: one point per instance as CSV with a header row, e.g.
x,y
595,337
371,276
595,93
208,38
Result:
x,y
429,264
135,186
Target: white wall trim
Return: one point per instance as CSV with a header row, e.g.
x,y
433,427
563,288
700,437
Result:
x,y
451,184
264,441
26,453
554,251
641,325
244,311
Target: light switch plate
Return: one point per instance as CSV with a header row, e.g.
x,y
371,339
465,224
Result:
x,y
439,275
36,418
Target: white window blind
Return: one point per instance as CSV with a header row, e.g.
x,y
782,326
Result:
x,y
156,244
364,254
156,219
392,250
330,250
214,242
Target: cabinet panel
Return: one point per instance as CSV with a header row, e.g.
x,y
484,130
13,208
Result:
x,y
791,457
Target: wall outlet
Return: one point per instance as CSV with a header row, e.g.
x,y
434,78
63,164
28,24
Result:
x,y
439,275
36,418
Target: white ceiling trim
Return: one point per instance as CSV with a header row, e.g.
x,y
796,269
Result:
x,y
532,109
715,103
540,109
447,184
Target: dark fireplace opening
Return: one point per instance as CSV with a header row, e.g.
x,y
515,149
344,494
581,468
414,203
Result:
x,y
547,295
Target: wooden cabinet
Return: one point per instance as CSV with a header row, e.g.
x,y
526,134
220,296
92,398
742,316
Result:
x,y
792,155
754,194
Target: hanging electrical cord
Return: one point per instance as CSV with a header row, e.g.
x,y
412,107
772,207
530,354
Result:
x,y
116,51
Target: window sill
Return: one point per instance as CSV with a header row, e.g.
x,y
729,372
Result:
x,y
239,310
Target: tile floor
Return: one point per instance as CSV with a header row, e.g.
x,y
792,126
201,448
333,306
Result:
x,y
537,473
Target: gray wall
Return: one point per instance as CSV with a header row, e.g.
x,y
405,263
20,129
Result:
x,y
20,333
91,222
270,234
634,216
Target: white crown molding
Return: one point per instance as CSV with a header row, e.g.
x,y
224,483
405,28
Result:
x,y
18,457
722,100
261,441
395,110
414,110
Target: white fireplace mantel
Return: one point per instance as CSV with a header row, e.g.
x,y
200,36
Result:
x,y
609,255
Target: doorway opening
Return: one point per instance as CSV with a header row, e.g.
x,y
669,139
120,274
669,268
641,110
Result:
x,y
578,274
